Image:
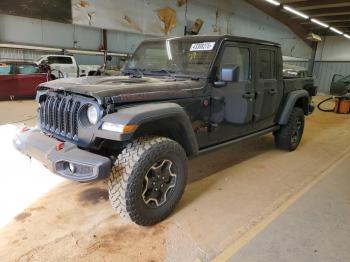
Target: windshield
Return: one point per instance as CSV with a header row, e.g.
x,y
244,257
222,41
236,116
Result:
x,y
177,56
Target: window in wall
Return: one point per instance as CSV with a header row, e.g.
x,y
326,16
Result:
x,y
239,56
267,64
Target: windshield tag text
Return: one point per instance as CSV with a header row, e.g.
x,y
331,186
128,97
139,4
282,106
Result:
x,y
206,46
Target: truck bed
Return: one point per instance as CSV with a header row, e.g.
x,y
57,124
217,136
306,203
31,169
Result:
x,y
296,83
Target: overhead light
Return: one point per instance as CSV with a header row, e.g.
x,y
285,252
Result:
x,y
273,2
289,9
347,36
30,47
336,30
319,23
84,52
117,54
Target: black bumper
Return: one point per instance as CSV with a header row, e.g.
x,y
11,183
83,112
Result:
x,y
57,156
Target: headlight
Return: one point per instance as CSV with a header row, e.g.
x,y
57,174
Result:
x,y
93,114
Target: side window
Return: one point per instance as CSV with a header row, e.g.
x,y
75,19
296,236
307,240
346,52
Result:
x,y
27,69
267,64
6,69
345,79
60,60
238,56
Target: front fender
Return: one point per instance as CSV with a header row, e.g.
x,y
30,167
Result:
x,y
159,113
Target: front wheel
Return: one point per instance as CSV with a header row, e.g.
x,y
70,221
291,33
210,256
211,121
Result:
x,y
288,136
148,180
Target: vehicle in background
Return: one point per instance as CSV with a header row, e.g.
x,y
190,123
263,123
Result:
x,y
20,79
294,71
340,85
67,65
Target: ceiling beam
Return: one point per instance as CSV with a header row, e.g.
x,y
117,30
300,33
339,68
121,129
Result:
x,y
335,18
276,13
335,11
319,4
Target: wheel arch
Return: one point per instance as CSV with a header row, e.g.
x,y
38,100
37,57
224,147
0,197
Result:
x,y
159,119
299,98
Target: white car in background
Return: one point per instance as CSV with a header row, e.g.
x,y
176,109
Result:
x,y
67,65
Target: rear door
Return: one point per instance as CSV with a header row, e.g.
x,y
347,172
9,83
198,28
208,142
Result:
x,y
268,81
8,86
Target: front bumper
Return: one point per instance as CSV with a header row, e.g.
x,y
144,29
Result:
x,y
57,156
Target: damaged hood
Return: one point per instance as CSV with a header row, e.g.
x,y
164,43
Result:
x,y
124,89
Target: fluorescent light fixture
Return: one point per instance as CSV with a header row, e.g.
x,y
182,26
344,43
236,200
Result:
x,y
117,54
347,36
336,30
89,52
291,10
319,23
273,2
84,52
168,49
30,47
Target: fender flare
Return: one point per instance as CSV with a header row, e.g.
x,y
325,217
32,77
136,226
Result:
x,y
289,104
147,114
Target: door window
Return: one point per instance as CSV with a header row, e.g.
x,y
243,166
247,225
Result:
x,y
6,69
239,56
60,60
27,69
267,64
344,80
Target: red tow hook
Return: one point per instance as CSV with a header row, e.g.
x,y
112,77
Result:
x,y
59,146
24,129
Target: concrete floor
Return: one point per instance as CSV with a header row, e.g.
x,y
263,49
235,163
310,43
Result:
x,y
247,202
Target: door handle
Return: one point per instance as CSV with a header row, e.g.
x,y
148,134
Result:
x,y
273,91
248,95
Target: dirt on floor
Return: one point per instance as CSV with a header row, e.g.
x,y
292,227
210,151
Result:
x,y
230,191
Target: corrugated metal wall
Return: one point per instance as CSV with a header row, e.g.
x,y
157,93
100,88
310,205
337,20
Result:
x,y
324,71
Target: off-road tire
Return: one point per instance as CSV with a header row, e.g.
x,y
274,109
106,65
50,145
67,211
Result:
x,y
284,136
127,177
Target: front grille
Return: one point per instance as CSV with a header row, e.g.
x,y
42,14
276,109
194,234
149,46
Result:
x,y
59,115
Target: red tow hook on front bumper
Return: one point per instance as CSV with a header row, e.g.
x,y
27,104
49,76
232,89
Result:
x,y
59,146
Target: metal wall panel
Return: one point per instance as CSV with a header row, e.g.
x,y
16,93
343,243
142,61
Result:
x,y
324,71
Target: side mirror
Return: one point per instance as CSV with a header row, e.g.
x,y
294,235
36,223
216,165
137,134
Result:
x,y
229,73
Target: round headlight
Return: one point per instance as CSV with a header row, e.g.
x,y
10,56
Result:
x,y
92,114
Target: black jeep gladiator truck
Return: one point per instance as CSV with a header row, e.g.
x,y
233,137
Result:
x,y
178,97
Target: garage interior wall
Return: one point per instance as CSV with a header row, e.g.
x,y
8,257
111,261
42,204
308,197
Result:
x,y
241,20
332,57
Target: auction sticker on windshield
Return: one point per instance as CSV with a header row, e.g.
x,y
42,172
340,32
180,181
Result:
x,y
205,46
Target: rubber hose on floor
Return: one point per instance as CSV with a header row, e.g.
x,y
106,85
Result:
x,y
324,101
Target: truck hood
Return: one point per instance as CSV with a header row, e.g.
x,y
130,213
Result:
x,y
124,89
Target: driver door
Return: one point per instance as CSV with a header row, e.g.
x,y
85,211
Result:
x,y
233,101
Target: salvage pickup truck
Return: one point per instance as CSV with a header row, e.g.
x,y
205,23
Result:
x,y
179,97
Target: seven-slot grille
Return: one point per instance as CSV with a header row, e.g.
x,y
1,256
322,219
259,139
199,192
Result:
x,y
59,115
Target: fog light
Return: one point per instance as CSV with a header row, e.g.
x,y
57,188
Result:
x,y
72,167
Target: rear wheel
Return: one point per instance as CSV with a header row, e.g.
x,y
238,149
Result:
x,y
148,179
288,136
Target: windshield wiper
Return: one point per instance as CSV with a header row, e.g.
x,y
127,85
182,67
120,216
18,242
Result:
x,y
131,72
163,72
